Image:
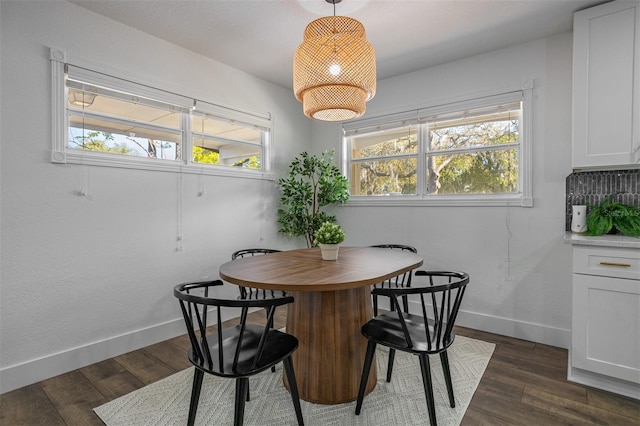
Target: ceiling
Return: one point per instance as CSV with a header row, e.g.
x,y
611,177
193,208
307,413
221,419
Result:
x,y
260,36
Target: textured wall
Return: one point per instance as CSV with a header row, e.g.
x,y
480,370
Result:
x,y
79,271
520,267
86,277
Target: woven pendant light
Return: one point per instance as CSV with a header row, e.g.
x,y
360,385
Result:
x,y
334,69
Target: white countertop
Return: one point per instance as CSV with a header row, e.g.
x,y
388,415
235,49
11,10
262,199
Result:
x,y
602,240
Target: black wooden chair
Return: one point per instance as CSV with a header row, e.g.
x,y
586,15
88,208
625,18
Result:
x,y
256,293
422,335
236,352
399,281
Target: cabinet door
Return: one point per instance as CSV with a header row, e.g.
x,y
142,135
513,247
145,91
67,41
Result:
x,y
606,326
606,85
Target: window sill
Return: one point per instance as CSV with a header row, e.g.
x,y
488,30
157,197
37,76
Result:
x,y
512,200
139,163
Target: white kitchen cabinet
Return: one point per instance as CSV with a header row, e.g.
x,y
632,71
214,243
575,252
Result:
x,y
606,86
605,335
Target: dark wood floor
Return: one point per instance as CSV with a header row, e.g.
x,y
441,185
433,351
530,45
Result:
x,y
524,384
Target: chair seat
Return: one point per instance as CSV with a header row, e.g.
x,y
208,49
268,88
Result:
x,y
278,346
386,329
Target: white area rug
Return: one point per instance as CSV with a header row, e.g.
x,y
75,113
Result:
x,y
401,402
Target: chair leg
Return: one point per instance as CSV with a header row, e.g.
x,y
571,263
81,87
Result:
x,y
270,322
405,303
375,305
368,359
273,367
428,388
198,375
248,391
444,358
293,388
392,355
242,386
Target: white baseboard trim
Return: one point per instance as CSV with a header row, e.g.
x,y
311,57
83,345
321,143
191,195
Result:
x,y
33,371
504,326
532,332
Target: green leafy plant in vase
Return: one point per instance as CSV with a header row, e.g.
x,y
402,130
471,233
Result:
x,y
609,215
328,237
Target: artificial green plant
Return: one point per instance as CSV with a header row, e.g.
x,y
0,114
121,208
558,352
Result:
x,y
608,215
313,183
329,233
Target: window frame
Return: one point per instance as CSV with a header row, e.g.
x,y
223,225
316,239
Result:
x,y
418,117
61,153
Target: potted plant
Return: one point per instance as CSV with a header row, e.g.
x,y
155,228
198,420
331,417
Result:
x,y
313,183
329,236
610,215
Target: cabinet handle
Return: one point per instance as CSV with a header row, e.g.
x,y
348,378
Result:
x,y
624,265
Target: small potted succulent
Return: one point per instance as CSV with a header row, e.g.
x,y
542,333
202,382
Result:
x,y
328,237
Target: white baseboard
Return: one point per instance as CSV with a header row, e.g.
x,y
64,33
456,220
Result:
x,y
26,373
33,371
532,332
504,326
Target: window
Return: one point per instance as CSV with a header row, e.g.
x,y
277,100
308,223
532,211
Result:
x,y
465,153
226,142
103,120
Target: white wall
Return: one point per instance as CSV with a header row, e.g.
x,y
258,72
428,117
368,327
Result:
x,y
519,266
86,278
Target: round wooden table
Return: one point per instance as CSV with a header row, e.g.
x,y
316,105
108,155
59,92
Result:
x,y
332,302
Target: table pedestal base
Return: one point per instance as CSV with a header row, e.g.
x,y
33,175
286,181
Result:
x,y
330,357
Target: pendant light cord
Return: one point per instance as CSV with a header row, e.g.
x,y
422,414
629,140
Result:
x,y
333,2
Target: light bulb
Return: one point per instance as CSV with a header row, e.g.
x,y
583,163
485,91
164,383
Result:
x,y
335,69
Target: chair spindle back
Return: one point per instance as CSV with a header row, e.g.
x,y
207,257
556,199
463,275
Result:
x,y
195,303
255,293
402,280
446,290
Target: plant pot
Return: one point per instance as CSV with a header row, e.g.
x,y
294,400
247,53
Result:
x,y
329,251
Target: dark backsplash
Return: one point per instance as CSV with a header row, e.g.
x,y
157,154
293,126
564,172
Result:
x,y
591,188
